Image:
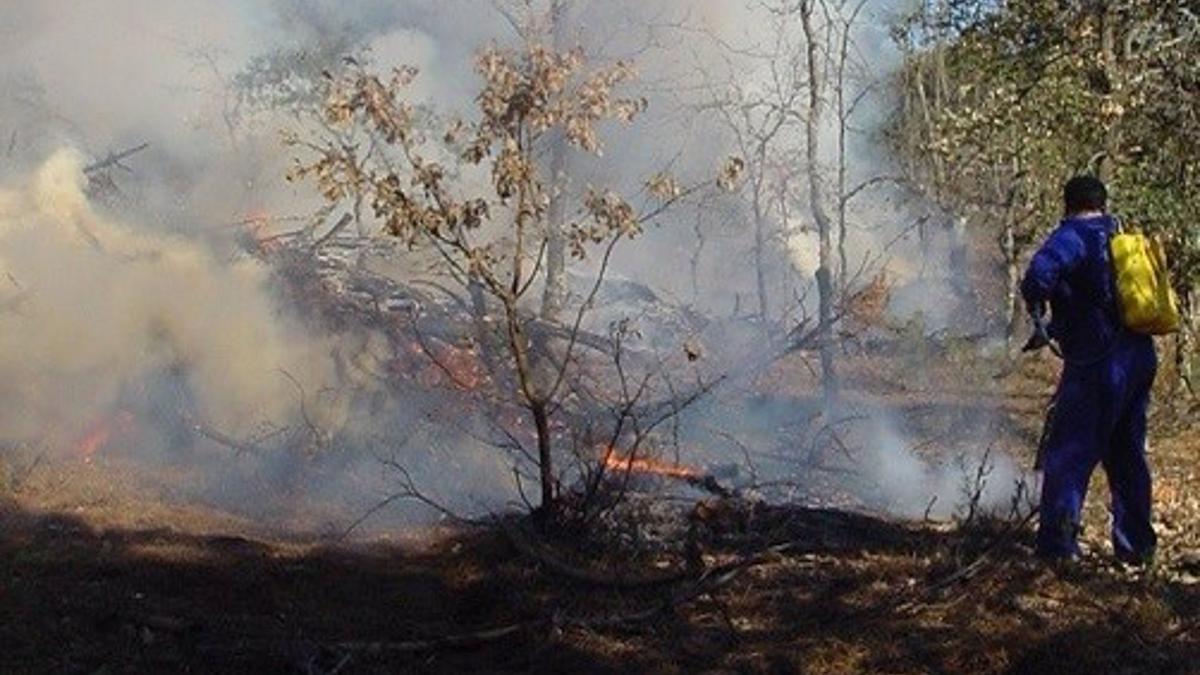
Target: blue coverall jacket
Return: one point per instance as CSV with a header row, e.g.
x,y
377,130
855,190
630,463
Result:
x,y
1100,413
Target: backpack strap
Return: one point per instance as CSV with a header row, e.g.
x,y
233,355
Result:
x,y
1113,308
1109,305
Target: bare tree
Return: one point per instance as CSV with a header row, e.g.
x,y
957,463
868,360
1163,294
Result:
x,y
806,80
761,117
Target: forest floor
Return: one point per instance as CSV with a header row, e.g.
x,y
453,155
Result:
x,y
102,570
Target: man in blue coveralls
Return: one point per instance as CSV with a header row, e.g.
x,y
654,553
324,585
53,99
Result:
x,y
1100,414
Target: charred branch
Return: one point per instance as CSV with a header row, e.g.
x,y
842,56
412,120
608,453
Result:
x,y
114,159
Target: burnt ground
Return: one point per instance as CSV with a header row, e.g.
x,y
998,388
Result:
x,y
99,573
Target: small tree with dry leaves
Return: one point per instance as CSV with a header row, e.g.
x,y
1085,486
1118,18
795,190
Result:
x,y
477,198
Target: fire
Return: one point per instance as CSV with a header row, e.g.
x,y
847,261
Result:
x,y
101,432
614,462
258,224
442,364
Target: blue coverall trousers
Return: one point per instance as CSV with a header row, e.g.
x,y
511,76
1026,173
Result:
x,y
1100,418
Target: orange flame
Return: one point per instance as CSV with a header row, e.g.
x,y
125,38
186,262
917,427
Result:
x,y
101,432
258,224
645,465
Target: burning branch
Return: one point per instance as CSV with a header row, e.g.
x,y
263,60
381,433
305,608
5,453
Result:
x,y
645,466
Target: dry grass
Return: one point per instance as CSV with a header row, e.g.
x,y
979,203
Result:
x,y
183,590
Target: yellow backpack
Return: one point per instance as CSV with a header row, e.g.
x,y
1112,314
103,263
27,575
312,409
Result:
x,y
1145,297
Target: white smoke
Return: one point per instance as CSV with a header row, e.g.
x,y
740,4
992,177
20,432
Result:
x,y
93,306
914,487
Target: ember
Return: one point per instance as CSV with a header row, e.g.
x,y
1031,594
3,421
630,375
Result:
x,y
460,365
258,224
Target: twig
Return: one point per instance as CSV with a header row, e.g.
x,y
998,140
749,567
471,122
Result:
x,y
708,582
317,433
968,571
460,641
527,545
366,515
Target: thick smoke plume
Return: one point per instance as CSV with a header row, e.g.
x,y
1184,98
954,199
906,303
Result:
x,y
94,307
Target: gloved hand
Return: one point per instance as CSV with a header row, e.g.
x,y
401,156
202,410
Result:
x,y
1038,340
1041,336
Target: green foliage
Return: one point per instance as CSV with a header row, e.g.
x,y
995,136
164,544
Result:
x,y
1014,101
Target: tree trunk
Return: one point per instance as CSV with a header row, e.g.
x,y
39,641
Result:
x,y
1010,186
760,258
843,263
554,296
1012,282
817,199
534,396
541,420
1185,343
1108,60
927,118
960,263
842,168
